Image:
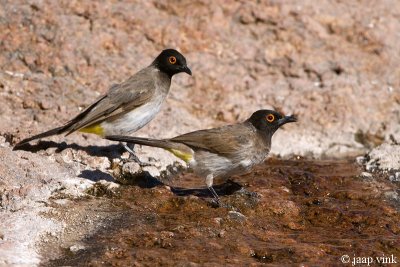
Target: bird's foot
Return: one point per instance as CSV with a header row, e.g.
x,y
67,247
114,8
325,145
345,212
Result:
x,y
134,158
215,195
250,194
217,203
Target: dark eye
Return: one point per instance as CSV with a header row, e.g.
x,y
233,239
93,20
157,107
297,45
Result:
x,y
270,117
172,60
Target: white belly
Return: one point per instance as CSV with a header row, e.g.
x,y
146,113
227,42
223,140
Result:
x,y
206,163
133,120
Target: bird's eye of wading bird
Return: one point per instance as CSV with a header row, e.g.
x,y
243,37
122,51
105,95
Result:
x,y
127,106
223,151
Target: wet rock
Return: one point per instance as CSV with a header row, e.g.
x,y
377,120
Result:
x,y
295,227
102,188
395,177
361,160
166,234
222,233
393,195
131,173
366,175
77,247
371,166
384,157
236,216
218,221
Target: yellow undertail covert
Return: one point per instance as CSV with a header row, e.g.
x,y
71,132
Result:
x,y
183,156
93,129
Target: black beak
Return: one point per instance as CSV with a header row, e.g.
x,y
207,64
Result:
x,y
287,119
186,69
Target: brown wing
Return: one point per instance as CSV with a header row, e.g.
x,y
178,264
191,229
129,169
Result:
x,y
224,140
120,99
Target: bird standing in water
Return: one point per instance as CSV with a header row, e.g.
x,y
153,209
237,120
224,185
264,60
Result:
x,y
224,151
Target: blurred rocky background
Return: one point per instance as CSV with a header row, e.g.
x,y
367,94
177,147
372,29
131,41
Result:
x,y
336,64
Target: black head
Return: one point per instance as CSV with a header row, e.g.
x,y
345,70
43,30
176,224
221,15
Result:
x,y
269,121
171,62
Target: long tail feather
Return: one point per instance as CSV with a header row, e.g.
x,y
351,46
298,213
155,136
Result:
x,y
58,130
180,150
70,126
143,141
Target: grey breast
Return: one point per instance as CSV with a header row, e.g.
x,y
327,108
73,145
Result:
x,y
141,96
227,154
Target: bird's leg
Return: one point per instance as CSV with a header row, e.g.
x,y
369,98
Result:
x,y
209,182
215,195
132,156
218,202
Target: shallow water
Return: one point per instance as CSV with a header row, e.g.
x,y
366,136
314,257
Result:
x,y
295,211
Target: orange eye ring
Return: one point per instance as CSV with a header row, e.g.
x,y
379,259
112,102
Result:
x,y
172,60
270,117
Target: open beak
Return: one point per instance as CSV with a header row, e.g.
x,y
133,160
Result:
x,y
187,70
287,119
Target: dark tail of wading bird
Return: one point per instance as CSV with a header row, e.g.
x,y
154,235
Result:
x,y
223,151
127,106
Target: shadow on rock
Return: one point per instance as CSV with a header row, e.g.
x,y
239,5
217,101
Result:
x,y
227,188
111,151
96,175
140,178
143,179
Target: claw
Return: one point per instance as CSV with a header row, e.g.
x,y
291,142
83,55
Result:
x,y
216,203
215,195
133,157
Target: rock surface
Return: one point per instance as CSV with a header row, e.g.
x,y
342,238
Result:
x,y
299,212
335,64
385,157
